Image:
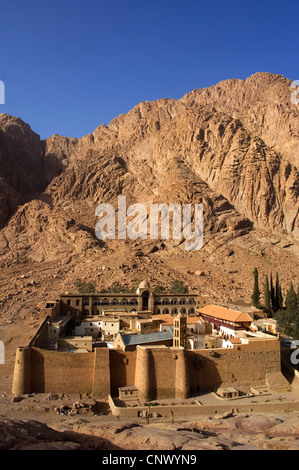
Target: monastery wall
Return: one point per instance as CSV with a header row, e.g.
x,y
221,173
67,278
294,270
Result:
x,y
157,372
59,372
241,366
122,369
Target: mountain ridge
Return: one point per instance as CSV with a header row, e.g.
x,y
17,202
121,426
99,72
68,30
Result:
x,y
230,147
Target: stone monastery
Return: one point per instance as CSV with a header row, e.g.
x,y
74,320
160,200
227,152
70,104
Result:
x,y
149,345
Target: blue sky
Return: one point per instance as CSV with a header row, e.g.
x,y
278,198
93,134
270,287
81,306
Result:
x,y
69,66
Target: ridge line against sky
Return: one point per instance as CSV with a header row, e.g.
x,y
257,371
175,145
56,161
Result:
x,y
69,67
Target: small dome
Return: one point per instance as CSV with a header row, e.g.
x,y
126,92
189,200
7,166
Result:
x,y
144,285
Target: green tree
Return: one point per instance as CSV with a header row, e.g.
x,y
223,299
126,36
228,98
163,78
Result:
x,y
267,295
288,318
291,300
256,291
279,298
178,287
272,294
84,287
278,295
159,290
118,288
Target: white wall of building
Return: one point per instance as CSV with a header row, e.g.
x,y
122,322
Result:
x,y
80,330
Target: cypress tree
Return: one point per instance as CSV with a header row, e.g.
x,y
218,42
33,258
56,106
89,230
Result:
x,y
256,291
272,294
267,294
291,300
277,293
279,299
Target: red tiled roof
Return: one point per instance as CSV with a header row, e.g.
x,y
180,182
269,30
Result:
x,y
223,313
235,340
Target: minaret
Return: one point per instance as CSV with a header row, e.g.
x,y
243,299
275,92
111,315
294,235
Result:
x,y
180,331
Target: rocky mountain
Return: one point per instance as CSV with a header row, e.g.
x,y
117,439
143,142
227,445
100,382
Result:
x,y
232,147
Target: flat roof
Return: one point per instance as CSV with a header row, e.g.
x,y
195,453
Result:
x,y
227,389
125,294
61,320
75,338
169,319
141,338
148,320
128,387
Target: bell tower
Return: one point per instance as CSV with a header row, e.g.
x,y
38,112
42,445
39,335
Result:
x,y
180,331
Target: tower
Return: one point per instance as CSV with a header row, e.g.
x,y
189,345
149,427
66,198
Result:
x,y
180,331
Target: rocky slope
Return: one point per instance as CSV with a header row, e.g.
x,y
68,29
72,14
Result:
x,y
232,147
239,432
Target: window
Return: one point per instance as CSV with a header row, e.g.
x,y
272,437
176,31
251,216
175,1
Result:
x,y
77,302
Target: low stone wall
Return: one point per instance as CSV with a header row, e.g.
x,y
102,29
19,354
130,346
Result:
x,y
192,411
41,333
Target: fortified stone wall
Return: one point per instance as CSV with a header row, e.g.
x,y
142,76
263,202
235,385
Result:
x,y
122,369
157,372
243,366
41,333
101,387
59,372
161,373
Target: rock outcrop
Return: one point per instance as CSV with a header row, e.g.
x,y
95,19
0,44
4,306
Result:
x,y
232,147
